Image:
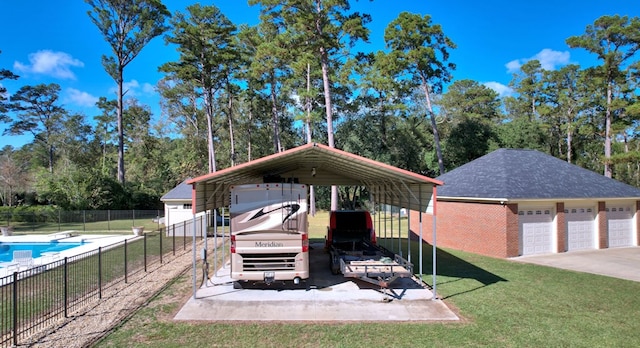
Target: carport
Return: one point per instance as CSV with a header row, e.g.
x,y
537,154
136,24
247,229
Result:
x,y
320,165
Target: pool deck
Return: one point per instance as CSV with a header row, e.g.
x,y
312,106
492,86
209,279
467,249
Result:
x,y
93,241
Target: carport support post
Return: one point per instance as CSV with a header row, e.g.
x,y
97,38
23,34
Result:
x,y
224,231
408,225
215,239
435,200
193,252
420,231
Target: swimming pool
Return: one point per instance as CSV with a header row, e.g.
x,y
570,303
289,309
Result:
x,y
37,248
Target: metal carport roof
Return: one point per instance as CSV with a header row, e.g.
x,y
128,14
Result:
x,y
317,164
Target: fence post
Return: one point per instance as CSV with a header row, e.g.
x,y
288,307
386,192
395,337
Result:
x,y
66,287
125,261
59,218
144,247
15,309
133,215
184,234
173,238
100,272
84,220
161,251
109,220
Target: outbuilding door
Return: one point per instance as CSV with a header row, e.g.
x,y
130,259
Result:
x,y
620,226
581,231
536,231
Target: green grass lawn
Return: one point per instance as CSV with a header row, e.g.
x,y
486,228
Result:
x,y
101,227
502,303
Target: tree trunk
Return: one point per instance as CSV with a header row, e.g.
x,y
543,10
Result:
x,y
434,126
211,148
51,159
249,133
608,172
231,139
569,137
329,112
274,114
312,191
120,125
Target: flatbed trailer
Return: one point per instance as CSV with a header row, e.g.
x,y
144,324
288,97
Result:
x,y
381,272
353,250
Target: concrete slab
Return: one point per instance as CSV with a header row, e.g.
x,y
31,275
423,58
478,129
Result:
x,y
623,263
324,297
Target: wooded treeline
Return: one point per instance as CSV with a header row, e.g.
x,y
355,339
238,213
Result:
x,y
238,93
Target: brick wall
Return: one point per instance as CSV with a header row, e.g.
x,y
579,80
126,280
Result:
x,y
561,228
487,229
603,241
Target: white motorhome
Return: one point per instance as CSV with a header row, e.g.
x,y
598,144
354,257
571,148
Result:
x,y
269,232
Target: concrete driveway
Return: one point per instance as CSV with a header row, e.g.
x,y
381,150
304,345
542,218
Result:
x,y
623,263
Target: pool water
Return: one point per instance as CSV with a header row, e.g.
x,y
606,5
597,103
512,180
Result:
x,y
7,249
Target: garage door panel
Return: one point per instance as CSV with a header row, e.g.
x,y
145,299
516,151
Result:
x,y
620,226
536,231
580,227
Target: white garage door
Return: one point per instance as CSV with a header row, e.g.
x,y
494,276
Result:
x,y
536,231
620,226
581,232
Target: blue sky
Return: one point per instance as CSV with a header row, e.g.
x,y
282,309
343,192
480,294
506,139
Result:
x,y
54,41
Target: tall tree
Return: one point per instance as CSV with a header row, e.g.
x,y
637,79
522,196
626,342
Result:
x,y
473,111
104,129
13,175
269,67
5,74
325,28
615,40
527,83
564,95
127,26
37,111
423,51
204,36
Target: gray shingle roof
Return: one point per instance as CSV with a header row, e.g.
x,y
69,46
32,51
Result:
x,y
529,174
180,192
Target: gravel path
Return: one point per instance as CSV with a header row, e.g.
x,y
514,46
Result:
x,y
87,326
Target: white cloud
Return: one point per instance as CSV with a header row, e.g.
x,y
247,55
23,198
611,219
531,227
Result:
x,y
513,66
549,60
501,89
46,62
81,98
148,88
134,89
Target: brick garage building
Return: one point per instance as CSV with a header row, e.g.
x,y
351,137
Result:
x,y
522,202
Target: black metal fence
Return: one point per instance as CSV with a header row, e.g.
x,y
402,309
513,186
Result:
x,y
80,220
33,299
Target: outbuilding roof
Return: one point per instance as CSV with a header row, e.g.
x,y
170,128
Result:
x,y
516,174
179,193
317,164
